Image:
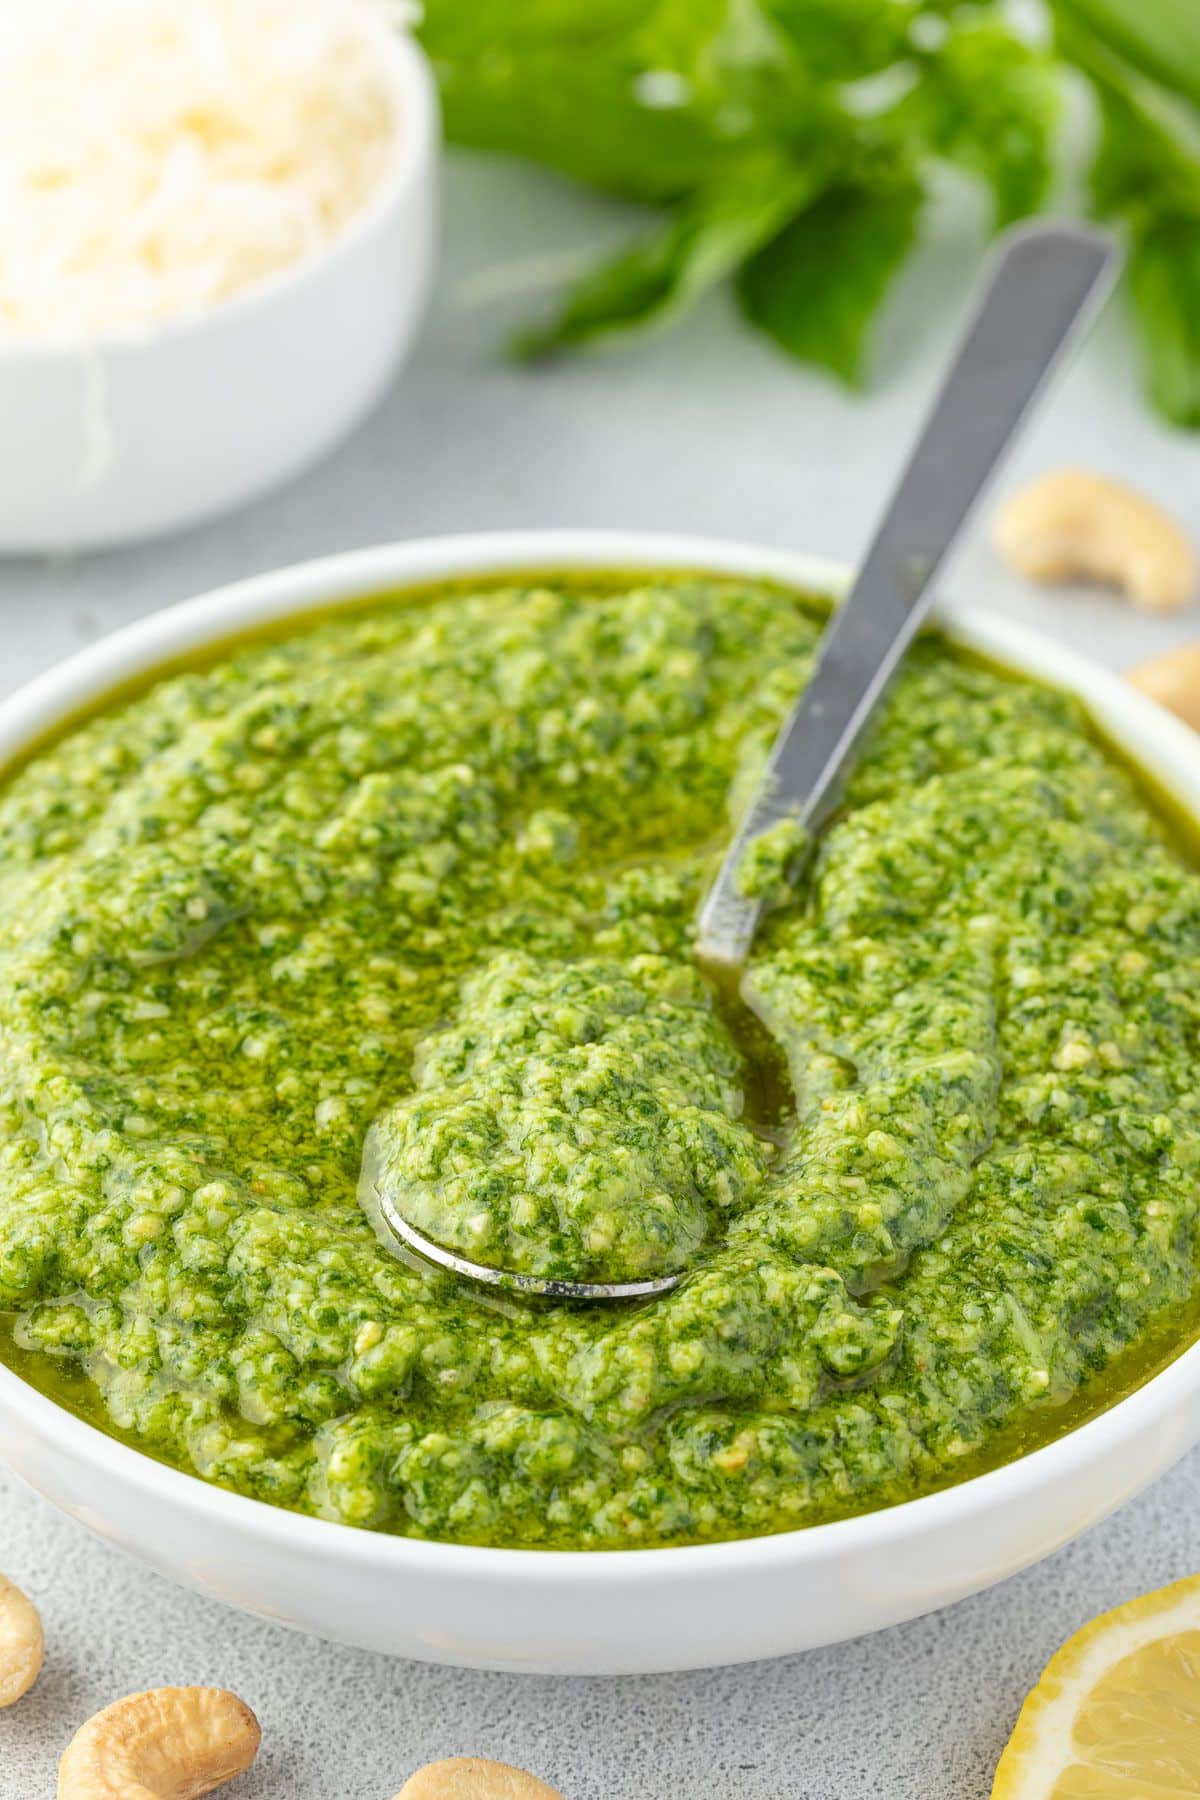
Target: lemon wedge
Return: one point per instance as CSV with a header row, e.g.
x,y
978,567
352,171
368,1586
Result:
x,y
1116,1714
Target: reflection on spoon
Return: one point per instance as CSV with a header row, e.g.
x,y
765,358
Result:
x,y
382,1211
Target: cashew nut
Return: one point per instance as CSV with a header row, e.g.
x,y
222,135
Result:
x,y
21,1643
1072,525
474,1778
172,1743
1173,679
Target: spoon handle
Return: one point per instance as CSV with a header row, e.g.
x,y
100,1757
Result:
x,y
1046,283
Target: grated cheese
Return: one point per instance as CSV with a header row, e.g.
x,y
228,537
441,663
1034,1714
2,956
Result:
x,y
157,156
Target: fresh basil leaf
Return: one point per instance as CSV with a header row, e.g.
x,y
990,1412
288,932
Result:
x,y
1164,283
471,28
1159,37
1147,173
587,123
673,102
1144,164
816,287
647,100
699,244
988,102
845,40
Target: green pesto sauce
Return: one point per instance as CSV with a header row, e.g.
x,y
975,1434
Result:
x,y
769,863
407,895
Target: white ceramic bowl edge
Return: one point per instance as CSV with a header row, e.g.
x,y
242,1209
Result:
x,y
575,1612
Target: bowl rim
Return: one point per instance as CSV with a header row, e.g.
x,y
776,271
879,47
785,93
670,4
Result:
x,y
32,712
415,138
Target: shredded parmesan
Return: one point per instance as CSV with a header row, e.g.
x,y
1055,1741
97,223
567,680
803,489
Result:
x,y
157,156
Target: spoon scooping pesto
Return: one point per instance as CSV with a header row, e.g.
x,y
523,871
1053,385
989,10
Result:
x,y
652,1060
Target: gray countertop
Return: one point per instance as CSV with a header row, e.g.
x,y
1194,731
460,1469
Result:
x,y
705,430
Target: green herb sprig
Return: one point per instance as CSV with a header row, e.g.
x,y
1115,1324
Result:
x,y
789,145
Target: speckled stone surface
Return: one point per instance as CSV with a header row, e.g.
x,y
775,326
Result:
x,y
706,430
916,1713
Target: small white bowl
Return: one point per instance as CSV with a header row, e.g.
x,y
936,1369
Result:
x,y
600,1612
137,432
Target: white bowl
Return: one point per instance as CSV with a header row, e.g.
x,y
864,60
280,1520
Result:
x,y
573,1611
137,432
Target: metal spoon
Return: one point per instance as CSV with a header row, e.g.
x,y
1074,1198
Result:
x,y
1045,285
